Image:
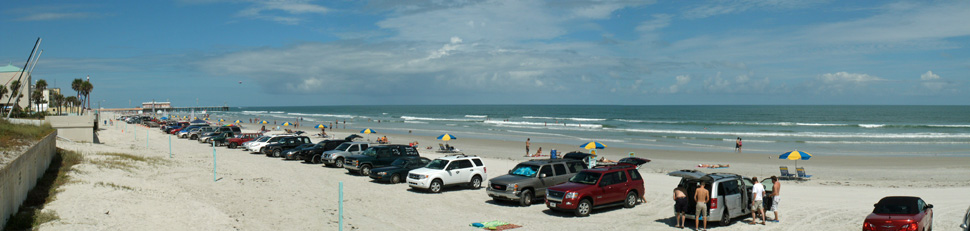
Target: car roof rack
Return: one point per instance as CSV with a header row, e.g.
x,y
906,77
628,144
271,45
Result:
x,y
460,155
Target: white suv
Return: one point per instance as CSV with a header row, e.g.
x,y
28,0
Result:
x,y
449,170
257,144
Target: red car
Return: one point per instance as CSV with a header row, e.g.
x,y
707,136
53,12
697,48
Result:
x,y
234,142
900,213
599,187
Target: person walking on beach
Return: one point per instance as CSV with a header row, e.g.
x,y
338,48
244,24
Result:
x,y
702,196
737,145
680,207
527,143
775,196
757,205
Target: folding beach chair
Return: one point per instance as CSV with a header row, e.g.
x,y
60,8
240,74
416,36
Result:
x,y
441,148
801,173
784,172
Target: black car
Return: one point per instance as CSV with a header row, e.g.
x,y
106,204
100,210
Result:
x,y
290,154
376,157
396,172
290,142
307,154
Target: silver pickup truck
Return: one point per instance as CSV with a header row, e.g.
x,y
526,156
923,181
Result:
x,y
529,180
335,158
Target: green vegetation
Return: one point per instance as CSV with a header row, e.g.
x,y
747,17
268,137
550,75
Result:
x,y
125,161
113,185
12,135
31,212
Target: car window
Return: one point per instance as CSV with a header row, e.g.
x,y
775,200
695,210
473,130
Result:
x,y
560,169
608,179
525,170
354,148
395,152
478,162
585,178
920,204
274,139
452,165
634,174
437,164
576,166
465,164
364,146
547,170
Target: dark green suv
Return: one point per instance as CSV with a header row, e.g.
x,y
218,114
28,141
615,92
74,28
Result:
x,y
376,157
398,169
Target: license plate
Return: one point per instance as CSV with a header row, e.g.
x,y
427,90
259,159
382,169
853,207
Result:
x,y
552,204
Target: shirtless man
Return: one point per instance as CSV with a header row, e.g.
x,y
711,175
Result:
x,y
775,196
702,196
680,206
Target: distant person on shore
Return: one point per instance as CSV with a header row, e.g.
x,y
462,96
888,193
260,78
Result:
x,y
775,196
737,145
538,152
323,132
702,196
757,205
263,129
527,143
680,207
331,126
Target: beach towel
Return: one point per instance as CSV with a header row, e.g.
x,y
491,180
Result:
x,y
494,225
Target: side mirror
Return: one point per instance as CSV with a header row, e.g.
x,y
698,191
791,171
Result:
x,y
874,205
963,226
510,171
542,175
929,206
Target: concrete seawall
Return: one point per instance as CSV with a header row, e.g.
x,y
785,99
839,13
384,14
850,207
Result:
x,y
21,174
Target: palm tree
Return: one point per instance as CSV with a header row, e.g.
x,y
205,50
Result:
x,y
86,88
3,92
34,98
76,86
71,101
14,90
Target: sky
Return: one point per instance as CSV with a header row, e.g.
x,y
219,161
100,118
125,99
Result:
x,y
404,52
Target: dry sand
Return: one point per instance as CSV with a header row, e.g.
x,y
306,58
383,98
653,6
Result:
x,y
255,192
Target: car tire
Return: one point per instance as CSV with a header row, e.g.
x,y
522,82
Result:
x,y
277,152
365,170
583,208
435,186
476,182
726,219
526,198
194,137
315,159
339,163
631,200
396,178
232,145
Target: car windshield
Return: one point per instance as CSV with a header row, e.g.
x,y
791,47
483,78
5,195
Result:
x,y
262,138
400,162
343,146
895,208
525,170
437,164
585,177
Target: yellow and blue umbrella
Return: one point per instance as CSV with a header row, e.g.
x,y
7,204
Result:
x,y
593,145
264,122
367,131
320,126
286,124
222,120
238,121
795,155
447,137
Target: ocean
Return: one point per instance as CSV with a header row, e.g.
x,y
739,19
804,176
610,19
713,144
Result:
x,y
820,130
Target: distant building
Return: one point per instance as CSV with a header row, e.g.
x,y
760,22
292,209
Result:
x,y
156,105
8,74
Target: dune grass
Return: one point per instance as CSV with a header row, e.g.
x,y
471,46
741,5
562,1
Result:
x,y
31,212
12,135
124,161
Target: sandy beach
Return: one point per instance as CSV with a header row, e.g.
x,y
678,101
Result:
x,y
254,192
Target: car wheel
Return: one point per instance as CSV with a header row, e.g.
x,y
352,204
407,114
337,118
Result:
x,y
365,170
232,145
315,159
631,200
277,153
263,151
726,219
475,183
526,198
339,162
583,208
396,178
193,137
435,186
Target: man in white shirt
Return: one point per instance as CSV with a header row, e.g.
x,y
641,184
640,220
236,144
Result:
x,y
757,205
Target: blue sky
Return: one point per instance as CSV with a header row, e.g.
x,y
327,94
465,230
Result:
x,y
498,52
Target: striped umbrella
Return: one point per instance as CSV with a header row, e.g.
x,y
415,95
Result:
x,y
447,137
367,131
286,124
320,126
222,120
264,122
238,121
795,155
593,145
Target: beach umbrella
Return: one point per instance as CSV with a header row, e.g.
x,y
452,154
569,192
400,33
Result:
x,y
264,122
286,124
447,137
320,126
222,120
795,155
238,121
367,131
229,125
593,145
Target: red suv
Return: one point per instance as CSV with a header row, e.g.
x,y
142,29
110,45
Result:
x,y
900,213
606,186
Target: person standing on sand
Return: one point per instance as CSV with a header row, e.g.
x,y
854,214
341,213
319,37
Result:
x,y
702,196
527,143
680,207
757,205
738,145
775,196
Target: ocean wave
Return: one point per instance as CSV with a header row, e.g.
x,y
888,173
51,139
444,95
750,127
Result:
x,y
438,119
541,125
924,135
570,118
949,125
476,116
886,142
277,112
871,125
320,115
254,112
414,122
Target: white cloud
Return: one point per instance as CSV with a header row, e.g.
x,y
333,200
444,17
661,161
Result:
x,y
845,77
900,24
709,9
493,20
741,84
659,21
290,12
55,16
929,76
